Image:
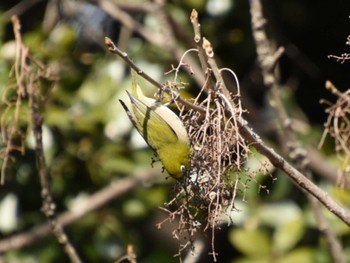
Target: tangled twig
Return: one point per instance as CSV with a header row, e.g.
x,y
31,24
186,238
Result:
x,y
338,127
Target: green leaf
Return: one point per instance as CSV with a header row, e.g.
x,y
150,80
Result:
x,y
288,234
134,208
252,243
301,255
252,260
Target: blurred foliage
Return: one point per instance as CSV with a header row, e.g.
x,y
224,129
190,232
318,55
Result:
x,y
89,141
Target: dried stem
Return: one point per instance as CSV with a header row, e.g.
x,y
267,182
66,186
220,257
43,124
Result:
x,y
345,57
21,53
337,126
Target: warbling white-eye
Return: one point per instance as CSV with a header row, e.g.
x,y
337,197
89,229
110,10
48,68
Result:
x,y
161,128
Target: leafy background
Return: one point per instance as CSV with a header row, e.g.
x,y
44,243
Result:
x,y
89,141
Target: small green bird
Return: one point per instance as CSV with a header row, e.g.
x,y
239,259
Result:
x,y
161,128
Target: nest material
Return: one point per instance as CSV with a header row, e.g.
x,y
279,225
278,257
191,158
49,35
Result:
x,y
218,153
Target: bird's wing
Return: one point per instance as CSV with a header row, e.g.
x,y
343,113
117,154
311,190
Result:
x,y
155,130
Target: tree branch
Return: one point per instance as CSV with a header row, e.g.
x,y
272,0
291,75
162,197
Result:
x,y
304,183
279,162
268,58
123,55
30,84
255,141
95,201
158,40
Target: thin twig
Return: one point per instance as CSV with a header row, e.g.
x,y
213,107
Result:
x,y
115,50
21,52
198,40
337,127
209,52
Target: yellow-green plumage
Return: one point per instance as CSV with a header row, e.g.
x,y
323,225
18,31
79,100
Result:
x,y
162,129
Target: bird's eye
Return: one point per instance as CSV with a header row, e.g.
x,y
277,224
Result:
x,y
183,169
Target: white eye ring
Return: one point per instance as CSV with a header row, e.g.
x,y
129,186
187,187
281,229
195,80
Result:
x,y
183,168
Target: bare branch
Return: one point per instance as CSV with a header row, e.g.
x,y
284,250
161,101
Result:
x,y
115,50
295,175
28,84
94,202
337,126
